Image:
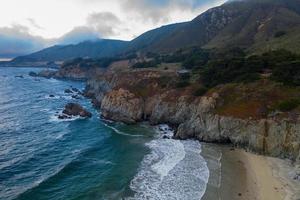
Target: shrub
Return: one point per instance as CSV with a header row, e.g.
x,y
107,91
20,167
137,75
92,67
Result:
x,y
288,73
148,64
288,105
182,84
279,34
200,91
164,81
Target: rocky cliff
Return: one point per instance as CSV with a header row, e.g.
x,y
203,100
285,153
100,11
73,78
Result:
x,y
136,96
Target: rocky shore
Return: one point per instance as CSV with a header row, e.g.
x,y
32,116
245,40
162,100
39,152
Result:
x,y
142,98
74,109
132,96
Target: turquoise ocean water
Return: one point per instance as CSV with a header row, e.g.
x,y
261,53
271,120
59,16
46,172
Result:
x,y
42,157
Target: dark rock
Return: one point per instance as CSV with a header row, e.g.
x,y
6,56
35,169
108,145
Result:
x,y
165,137
96,103
51,95
64,117
20,76
68,91
75,90
88,94
75,97
73,109
33,74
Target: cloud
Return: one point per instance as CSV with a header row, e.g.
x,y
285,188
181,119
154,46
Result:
x,y
106,19
34,24
105,23
161,11
98,25
78,34
17,40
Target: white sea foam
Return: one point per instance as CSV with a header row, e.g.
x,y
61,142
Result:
x,y
45,110
60,136
53,80
173,170
121,132
49,97
54,117
171,153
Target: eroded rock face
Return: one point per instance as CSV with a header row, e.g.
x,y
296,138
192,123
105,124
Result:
x,y
73,109
194,117
122,105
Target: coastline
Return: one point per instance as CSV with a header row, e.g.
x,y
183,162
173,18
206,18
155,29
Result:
x,y
244,175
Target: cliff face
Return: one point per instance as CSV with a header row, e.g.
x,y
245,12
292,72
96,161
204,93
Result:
x,y
120,99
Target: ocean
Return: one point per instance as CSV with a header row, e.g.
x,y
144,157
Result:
x,y
42,157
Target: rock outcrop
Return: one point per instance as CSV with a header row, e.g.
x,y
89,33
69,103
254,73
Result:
x,y
122,105
73,109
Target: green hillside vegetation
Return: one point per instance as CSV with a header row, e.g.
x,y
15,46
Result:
x,y
281,65
89,63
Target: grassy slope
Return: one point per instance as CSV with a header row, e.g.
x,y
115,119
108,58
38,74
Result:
x,y
254,100
256,27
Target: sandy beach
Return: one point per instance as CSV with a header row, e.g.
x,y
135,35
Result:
x,y
247,176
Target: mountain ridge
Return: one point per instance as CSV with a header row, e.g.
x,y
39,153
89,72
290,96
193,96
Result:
x,y
256,26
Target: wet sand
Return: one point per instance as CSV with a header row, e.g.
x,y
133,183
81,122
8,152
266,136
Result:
x,y
236,174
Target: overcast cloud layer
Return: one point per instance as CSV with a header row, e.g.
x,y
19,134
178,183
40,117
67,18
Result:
x,y
30,25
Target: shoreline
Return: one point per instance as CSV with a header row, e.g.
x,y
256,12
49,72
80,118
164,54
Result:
x,y
248,176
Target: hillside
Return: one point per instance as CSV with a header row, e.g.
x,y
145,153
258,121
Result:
x,y
96,49
155,36
254,25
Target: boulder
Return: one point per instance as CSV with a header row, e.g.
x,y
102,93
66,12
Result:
x,y
75,90
73,109
64,117
68,91
75,96
33,74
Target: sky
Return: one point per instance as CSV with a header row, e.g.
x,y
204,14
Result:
x,y
30,25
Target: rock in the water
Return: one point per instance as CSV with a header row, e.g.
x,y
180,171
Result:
x,y
73,109
20,76
166,137
64,117
75,97
51,96
68,91
75,90
33,74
